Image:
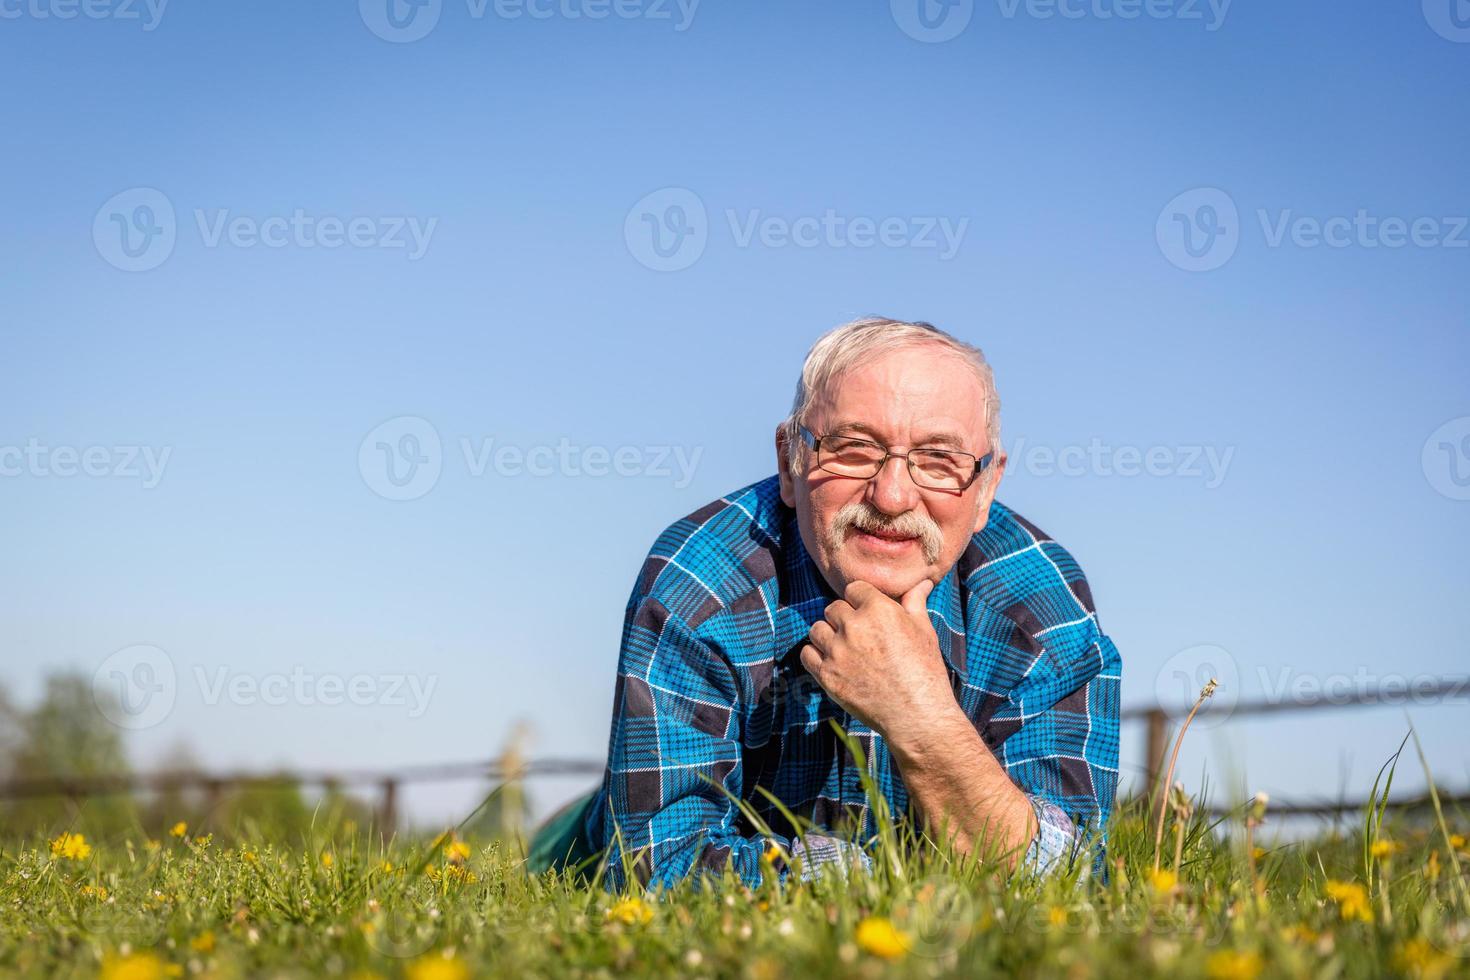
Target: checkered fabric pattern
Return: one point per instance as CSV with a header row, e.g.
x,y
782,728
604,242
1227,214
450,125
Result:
x,y
711,694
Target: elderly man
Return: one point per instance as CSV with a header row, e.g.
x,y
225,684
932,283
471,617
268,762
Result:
x,y
875,581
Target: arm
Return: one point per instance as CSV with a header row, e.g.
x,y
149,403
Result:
x,y
880,659
675,728
961,790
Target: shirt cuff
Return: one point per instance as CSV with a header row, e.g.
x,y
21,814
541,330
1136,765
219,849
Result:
x,y
1055,840
819,853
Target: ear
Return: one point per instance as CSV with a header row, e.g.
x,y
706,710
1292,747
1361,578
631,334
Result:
x,y
783,468
989,482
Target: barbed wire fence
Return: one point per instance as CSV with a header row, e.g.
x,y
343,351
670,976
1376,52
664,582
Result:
x,y
388,782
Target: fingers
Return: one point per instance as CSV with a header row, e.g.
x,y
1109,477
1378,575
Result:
x,y
811,659
838,611
822,636
860,592
914,599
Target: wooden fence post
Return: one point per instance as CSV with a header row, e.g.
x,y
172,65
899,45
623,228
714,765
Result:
x,y
388,807
1153,762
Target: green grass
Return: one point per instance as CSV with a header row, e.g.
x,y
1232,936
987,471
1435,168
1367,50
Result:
x,y
187,906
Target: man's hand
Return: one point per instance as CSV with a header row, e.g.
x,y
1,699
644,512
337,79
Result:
x,y
880,660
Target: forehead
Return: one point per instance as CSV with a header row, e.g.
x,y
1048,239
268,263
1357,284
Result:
x,y
906,394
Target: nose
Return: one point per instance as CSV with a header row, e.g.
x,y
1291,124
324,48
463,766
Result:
x,y
892,491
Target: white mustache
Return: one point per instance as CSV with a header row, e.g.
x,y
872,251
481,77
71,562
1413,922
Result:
x,y
865,517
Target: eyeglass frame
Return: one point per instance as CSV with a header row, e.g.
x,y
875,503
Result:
x,y
815,443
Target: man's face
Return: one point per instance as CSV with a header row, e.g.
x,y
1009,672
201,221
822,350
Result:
x,y
874,530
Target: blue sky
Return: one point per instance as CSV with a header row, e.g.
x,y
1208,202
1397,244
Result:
x,y
1298,374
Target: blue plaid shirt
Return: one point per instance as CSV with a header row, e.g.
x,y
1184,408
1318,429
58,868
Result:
x,y
710,684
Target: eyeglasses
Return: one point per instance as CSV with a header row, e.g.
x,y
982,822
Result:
x,y
933,469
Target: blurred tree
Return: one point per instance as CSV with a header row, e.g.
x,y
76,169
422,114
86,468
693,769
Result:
x,y
66,736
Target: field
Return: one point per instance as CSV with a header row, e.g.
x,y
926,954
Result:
x,y
1385,899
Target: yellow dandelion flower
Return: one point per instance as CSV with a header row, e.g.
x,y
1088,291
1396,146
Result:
x,y
249,857
1162,881
72,846
94,891
1228,964
1258,853
451,872
202,943
1419,958
327,859
457,852
1057,915
1458,842
1385,848
631,910
437,967
386,867
877,936
179,829
1352,900
134,966
1299,934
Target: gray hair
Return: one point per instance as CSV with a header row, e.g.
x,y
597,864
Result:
x,y
845,347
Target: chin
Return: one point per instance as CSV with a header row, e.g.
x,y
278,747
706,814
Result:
x,y
891,581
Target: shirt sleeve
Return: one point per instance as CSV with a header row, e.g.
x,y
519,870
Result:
x,y
673,757
1063,752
